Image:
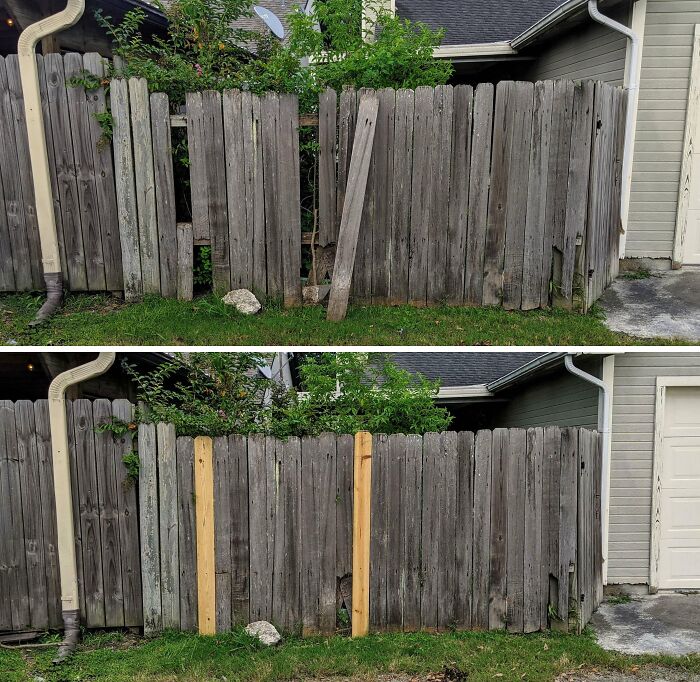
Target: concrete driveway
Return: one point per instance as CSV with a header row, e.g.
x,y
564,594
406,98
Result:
x,y
653,624
665,304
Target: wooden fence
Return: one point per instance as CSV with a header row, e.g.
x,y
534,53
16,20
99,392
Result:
x,y
500,195
505,195
105,510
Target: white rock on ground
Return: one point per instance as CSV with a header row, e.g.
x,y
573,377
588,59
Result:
x,y
243,300
265,632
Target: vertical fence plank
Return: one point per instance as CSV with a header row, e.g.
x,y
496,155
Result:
x,y
149,530
401,197
109,516
518,178
430,561
260,560
239,236
311,547
7,489
568,593
361,530
515,541
379,533
464,530
447,574
127,483
125,177
104,176
537,197
185,262
534,555
411,564
326,485
343,509
269,113
327,132
168,526
222,533
199,188
499,529
396,499
165,193
240,548
482,530
7,267
479,183
48,512
187,533
204,519
550,521
347,118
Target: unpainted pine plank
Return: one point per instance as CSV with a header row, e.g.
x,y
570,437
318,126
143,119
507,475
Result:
x,y
24,169
537,195
260,564
13,558
109,516
149,530
577,194
479,183
28,458
215,167
515,542
222,533
327,143
430,561
550,522
289,201
12,188
125,179
401,197
464,530
494,251
343,509
518,178
361,533
568,505
351,223
240,548
269,113
347,119
460,172
311,548
379,534
185,261
499,529
395,501
103,164
447,573
411,564
557,183
165,193
443,105
384,199
85,172
240,234
421,195
130,550
533,558
168,526
204,522
48,512
187,533
199,188
483,444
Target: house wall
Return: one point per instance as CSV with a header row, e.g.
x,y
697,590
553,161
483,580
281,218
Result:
x,y
634,397
663,98
588,52
559,399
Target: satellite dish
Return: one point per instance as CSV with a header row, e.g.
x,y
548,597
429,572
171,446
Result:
x,y
271,20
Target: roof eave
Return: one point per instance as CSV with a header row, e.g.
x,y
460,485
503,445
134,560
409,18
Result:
x,y
521,373
499,49
548,22
472,391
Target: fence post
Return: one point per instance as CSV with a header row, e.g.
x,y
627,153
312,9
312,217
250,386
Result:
x,y
204,515
362,492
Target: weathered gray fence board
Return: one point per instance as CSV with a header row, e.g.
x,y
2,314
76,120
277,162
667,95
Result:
x,y
198,170
222,533
269,113
412,543
464,530
550,520
379,533
515,536
500,455
347,119
449,536
187,539
239,501
327,182
568,592
430,559
395,501
532,574
260,537
343,508
482,529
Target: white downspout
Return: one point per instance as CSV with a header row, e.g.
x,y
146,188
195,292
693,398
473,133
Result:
x,y
36,136
70,605
605,468
633,88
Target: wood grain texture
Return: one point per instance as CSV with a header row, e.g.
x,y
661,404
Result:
x,y
327,182
483,444
187,533
204,520
362,486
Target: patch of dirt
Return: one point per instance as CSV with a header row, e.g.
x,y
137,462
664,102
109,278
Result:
x,y
642,674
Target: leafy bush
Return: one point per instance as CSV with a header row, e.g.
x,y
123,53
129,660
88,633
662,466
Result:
x,y
213,394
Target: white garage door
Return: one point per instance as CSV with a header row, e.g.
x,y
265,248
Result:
x,y
679,539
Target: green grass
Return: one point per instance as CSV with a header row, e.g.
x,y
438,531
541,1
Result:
x,y
236,657
100,320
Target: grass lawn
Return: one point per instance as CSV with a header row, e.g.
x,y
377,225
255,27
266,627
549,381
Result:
x,y
100,320
236,657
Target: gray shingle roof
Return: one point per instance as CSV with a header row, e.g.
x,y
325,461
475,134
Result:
x,y
462,369
477,21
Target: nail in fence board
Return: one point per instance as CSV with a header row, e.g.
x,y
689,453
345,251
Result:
x,y
327,134
187,540
352,209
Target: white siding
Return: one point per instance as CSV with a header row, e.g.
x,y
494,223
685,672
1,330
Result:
x,y
589,52
663,98
634,398
556,400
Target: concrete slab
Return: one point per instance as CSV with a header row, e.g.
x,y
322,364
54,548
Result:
x,y
665,304
653,624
